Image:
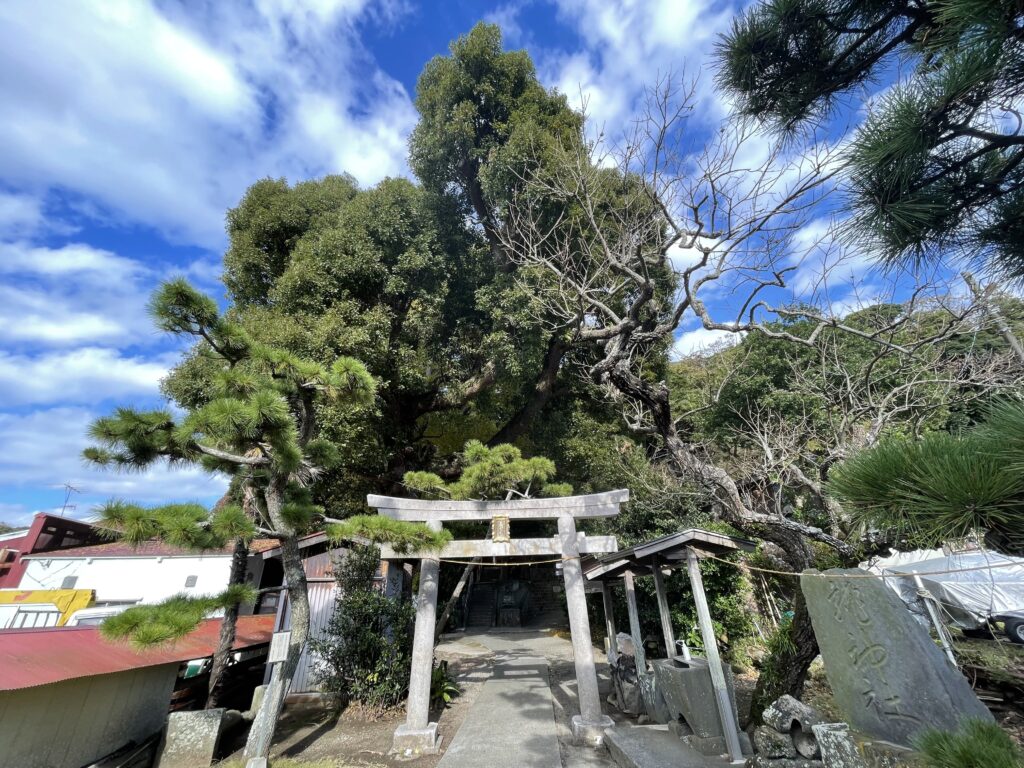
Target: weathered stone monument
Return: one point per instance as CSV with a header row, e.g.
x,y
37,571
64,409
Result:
x,y
191,739
887,675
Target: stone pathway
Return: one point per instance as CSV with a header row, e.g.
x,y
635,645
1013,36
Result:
x,y
511,723
520,718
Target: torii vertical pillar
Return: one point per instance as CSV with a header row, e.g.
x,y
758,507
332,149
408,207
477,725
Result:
x,y
417,735
589,725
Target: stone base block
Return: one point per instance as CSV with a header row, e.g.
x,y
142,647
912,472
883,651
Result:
x,y
411,742
590,733
257,762
716,745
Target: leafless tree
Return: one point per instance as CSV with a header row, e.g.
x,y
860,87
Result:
x,y
658,234
656,227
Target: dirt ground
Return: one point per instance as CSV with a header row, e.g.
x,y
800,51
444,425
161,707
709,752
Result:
x,y
351,739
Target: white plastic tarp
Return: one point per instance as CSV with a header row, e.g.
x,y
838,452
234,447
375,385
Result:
x,y
970,587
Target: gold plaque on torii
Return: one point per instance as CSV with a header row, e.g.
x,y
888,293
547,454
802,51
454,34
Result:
x,y
501,530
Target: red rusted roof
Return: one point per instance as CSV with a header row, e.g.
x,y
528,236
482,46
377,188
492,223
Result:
x,y
31,657
148,549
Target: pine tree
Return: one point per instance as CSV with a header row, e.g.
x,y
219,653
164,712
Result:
x,y
257,423
189,526
943,486
492,473
938,165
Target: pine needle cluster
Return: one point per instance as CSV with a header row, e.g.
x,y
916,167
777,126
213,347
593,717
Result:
x,y
938,165
145,626
942,486
492,473
401,535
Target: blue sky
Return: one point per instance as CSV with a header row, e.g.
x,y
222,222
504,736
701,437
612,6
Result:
x,y
130,127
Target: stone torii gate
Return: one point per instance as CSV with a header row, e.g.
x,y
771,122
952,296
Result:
x,y
417,734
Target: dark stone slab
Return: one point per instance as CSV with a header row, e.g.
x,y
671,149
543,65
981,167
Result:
x,y
888,677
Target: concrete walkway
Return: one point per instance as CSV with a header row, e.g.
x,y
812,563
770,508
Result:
x,y
520,718
511,723
521,715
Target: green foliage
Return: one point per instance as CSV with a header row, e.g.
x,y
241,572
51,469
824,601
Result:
x,y
268,222
403,536
976,745
492,473
941,486
482,110
937,165
365,652
145,626
256,397
443,688
190,526
252,415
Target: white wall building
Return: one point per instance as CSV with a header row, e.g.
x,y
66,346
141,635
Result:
x,y
119,573
153,571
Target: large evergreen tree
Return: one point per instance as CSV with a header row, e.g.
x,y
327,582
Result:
x,y
254,418
938,164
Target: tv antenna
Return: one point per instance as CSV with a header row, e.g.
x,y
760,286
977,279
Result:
x,y
67,506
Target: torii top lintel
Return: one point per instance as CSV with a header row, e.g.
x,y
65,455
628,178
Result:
x,y
425,510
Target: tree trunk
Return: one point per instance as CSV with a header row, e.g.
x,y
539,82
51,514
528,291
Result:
x,y
538,398
262,732
785,670
239,561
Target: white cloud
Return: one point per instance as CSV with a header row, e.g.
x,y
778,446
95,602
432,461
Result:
x,y
75,294
20,215
631,43
700,340
163,116
77,259
85,375
43,449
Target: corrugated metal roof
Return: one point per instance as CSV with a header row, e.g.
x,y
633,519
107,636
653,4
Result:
x,y
31,657
147,549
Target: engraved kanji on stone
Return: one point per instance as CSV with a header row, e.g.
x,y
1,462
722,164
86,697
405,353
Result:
x,y
874,655
847,600
887,704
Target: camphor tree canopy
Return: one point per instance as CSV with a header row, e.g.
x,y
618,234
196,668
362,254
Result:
x,y
938,164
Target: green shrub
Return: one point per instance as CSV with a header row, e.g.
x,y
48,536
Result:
x,y
976,745
443,687
365,653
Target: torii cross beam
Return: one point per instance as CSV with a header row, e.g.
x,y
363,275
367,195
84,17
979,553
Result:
x,y
417,734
